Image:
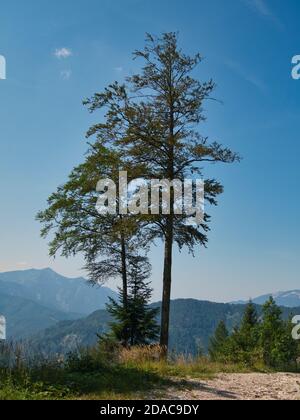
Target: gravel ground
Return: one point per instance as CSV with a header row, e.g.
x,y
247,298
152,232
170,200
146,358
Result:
x,y
254,386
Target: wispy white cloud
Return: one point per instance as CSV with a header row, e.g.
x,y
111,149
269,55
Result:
x,y
246,75
66,74
119,69
262,8
63,53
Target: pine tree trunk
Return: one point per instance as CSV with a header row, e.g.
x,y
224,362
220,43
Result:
x,y
167,282
169,233
125,282
124,272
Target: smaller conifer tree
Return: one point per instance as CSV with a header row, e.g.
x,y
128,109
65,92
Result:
x,y
218,341
136,323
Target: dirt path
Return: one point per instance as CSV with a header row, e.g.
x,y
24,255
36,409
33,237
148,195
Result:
x,y
254,386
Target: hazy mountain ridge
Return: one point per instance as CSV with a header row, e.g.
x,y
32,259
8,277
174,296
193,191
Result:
x,y
53,310
33,300
49,289
25,317
289,299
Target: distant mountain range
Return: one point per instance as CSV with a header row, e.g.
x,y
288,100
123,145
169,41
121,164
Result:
x,y
59,314
192,324
47,288
289,299
33,300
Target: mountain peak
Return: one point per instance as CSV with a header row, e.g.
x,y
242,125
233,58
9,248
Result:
x,y
289,299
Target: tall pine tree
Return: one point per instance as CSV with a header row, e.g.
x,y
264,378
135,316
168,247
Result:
x,y
154,120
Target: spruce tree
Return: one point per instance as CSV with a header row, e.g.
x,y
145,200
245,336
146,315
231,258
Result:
x,y
270,330
217,345
250,318
136,323
244,340
248,331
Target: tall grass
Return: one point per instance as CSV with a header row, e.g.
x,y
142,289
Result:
x,y
106,371
149,359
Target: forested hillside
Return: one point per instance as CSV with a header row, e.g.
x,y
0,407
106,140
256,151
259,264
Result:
x,y
25,317
192,324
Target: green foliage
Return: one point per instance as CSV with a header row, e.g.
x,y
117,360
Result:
x,y
84,361
135,323
278,346
268,342
79,228
108,242
250,318
217,343
244,341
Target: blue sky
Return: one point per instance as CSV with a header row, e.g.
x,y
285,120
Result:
x,y
248,46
